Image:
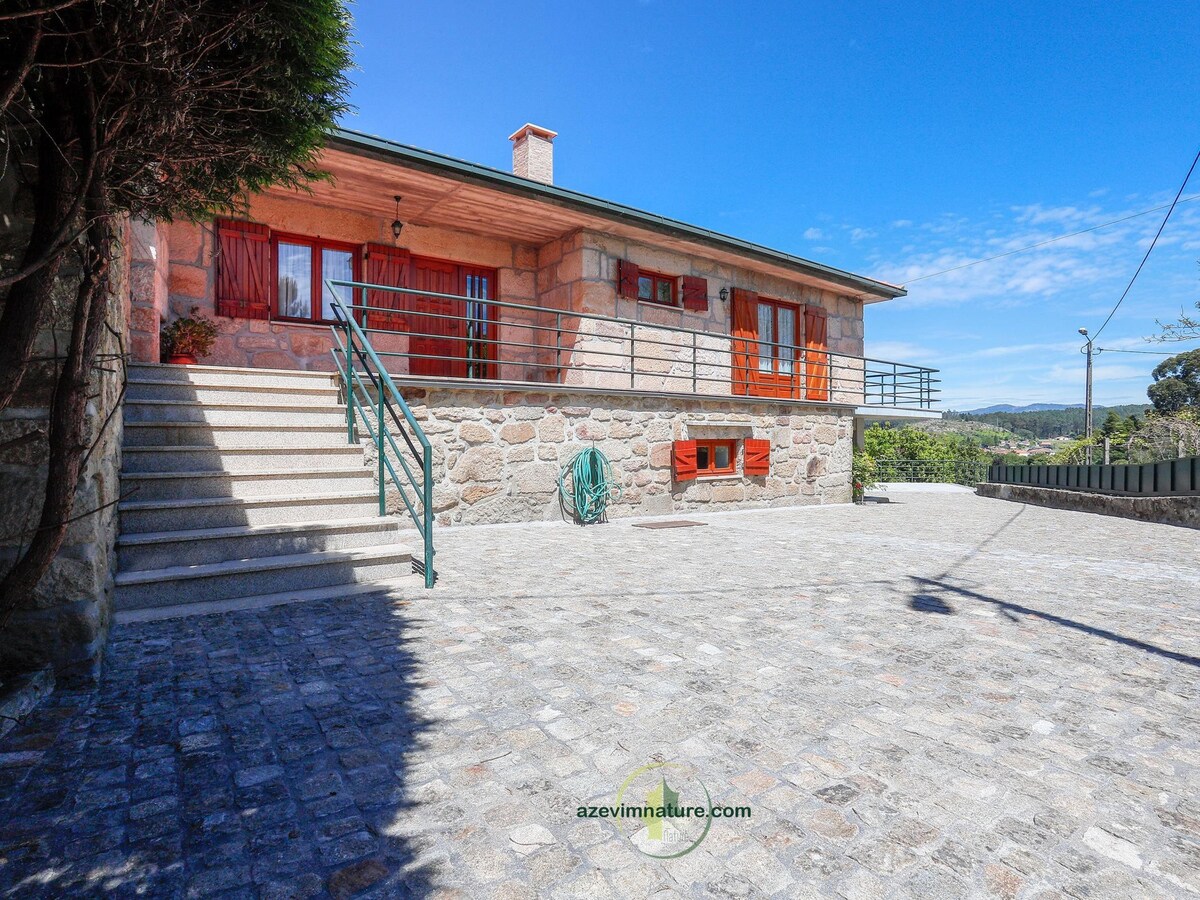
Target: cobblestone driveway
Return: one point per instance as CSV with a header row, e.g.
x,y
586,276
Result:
x,y
946,696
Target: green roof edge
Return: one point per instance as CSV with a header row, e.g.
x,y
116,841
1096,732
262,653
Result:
x,y
436,163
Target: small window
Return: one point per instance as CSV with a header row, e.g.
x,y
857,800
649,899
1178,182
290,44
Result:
x,y
656,288
716,458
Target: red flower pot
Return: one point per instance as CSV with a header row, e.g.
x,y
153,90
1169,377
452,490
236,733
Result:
x,y
181,359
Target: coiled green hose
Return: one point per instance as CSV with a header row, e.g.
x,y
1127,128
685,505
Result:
x,y
592,486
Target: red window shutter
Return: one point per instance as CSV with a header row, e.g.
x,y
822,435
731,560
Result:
x,y
388,266
627,279
243,269
744,328
816,360
683,460
695,293
757,458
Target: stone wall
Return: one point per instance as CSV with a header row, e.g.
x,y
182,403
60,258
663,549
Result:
x,y
579,273
191,280
65,622
1181,511
575,273
497,454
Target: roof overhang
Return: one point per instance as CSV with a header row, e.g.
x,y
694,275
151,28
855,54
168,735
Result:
x,y
471,197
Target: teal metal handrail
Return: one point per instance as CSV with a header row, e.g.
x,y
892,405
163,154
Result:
x,y
351,343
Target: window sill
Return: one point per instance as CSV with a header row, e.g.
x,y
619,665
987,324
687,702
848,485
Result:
x,y
734,476
301,323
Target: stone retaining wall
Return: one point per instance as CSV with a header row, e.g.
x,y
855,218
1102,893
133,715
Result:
x,y
497,453
1181,511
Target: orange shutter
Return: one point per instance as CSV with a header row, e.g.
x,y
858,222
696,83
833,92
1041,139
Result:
x,y
627,279
243,269
683,460
387,266
757,457
744,328
816,345
695,293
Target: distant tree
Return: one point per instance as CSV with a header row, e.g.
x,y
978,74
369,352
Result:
x,y
1163,437
1176,384
143,108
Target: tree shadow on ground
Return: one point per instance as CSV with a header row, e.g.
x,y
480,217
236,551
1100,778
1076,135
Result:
x,y
930,595
261,752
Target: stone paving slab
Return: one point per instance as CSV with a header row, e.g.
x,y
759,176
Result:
x,y
944,696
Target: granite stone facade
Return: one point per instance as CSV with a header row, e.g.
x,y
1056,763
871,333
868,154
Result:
x,y
497,454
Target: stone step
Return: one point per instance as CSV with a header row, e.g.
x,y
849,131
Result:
x,y
254,577
165,389
275,413
395,587
226,375
140,516
199,546
192,434
135,460
244,485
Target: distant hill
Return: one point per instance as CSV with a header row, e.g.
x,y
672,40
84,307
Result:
x,y
1031,407
1038,420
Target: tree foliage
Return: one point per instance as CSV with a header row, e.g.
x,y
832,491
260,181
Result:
x,y
1186,328
913,444
1176,384
148,108
1043,423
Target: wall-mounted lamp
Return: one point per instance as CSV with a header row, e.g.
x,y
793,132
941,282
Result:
x,y
397,225
724,294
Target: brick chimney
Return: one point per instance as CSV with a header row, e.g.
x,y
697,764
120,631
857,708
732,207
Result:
x,y
533,152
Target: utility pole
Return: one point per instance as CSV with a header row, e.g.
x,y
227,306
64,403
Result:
x,y
1087,403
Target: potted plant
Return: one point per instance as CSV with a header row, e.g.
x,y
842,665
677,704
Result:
x,y
188,338
862,475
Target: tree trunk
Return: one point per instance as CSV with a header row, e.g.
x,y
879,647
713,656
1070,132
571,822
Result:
x,y
68,440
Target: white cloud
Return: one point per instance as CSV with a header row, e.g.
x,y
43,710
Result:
x,y
813,234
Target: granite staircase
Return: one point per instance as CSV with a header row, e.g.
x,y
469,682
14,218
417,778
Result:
x,y
240,490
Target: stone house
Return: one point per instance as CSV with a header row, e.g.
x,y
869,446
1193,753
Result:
x,y
713,372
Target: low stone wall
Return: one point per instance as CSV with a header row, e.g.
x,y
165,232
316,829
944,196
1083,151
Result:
x,y
498,453
1181,511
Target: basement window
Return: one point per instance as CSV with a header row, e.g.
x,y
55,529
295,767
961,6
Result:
x,y
716,458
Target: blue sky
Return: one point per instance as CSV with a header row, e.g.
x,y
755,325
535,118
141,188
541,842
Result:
x,y
891,139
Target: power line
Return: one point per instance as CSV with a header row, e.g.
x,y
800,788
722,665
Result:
x,y
1150,249
1149,352
1061,237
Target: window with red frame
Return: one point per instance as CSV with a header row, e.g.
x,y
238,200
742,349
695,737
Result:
x,y
302,265
716,458
654,287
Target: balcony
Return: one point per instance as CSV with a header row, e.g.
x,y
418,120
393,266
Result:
x,y
425,335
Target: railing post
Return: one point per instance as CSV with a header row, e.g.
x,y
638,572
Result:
x,y
694,388
632,359
350,437
557,347
427,511
379,426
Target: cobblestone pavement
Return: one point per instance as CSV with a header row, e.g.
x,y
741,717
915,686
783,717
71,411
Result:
x,y
946,696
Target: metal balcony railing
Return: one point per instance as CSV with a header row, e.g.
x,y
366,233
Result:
x,y
931,471
427,333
